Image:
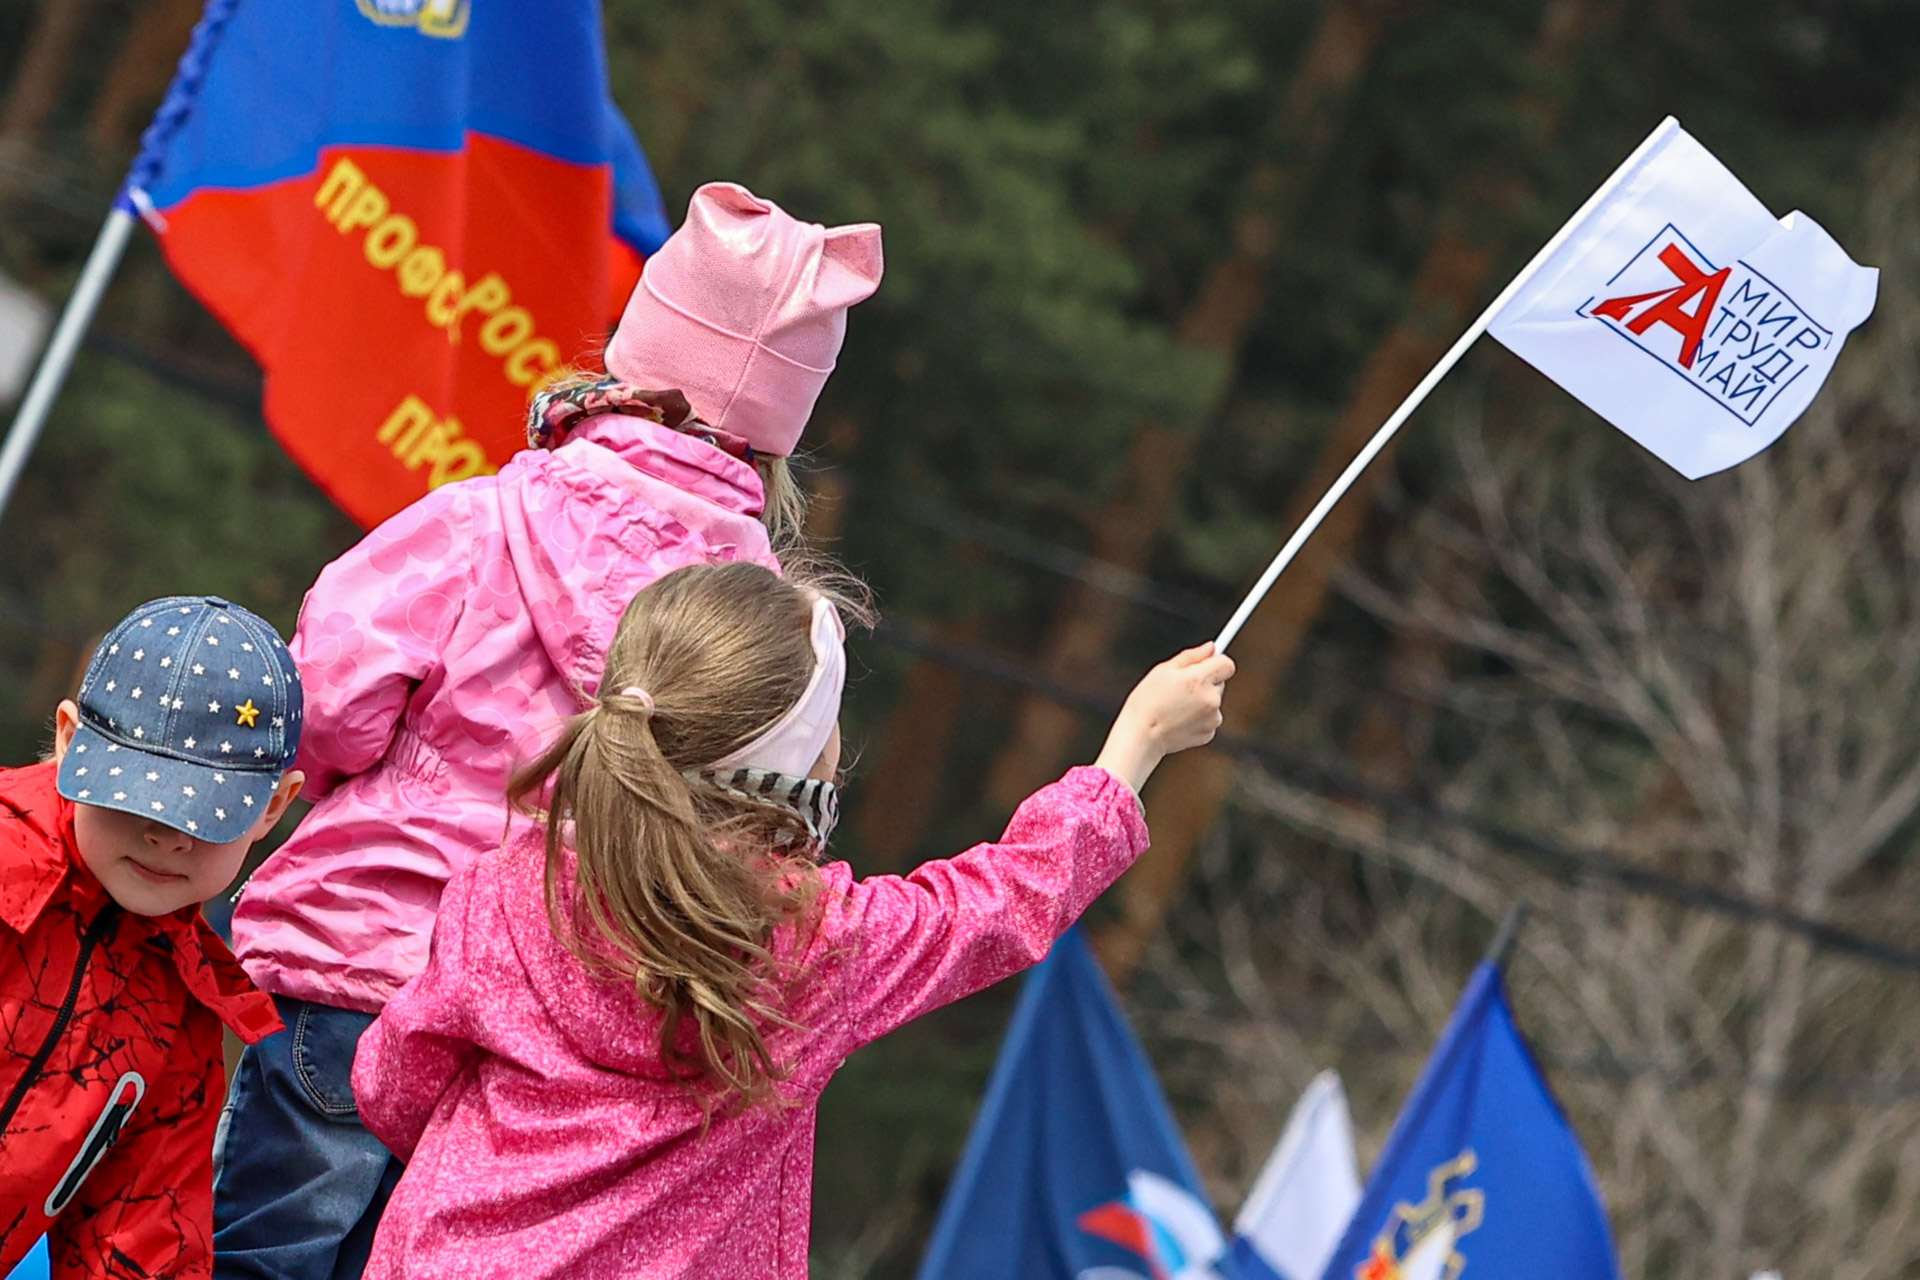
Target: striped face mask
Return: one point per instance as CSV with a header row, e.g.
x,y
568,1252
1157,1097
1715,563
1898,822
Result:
x,y
815,800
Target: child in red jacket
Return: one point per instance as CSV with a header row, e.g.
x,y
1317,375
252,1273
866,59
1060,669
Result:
x,y
113,989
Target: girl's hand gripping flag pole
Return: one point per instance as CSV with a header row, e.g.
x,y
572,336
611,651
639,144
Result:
x,y
1675,306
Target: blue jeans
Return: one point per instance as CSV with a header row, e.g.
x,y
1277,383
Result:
x,y
299,1183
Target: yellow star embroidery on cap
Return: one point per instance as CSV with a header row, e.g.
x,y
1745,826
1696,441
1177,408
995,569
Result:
x,y
248,713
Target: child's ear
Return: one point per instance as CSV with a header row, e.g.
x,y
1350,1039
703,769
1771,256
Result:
x,y
66,723
290,783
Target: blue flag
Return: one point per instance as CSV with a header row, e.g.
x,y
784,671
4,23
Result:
x,y
1074,1169
1482,1178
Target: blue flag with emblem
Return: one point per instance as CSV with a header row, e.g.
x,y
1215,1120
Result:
x,y
1074,1169
1482,1177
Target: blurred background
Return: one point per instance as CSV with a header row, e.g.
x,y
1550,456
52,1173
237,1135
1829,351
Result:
x,y
1156,270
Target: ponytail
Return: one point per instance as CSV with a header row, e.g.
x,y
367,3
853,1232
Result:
x,y
675,885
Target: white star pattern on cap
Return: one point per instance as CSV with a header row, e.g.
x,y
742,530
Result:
x,y
146,622
85,794
119,795
81,772
246,646
199,670
166,662
113,648
152,776
267,681
226,747
110,685
188,744
220,814
138,732
219,777
258,752
249,800
158,807
173,631
214,707
233,673
192,825
213,640
188,792
136,691
111,746
179,704
139,655
114,772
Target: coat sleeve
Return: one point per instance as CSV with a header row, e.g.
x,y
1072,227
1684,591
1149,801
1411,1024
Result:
x,y
146,1210
423,1040
891,948
373,625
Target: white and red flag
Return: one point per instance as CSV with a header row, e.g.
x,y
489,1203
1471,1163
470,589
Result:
x,y
1683,312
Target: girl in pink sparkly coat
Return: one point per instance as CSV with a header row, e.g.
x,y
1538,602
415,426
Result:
x,y
453,641
611,1064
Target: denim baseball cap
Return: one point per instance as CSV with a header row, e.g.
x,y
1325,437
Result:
x,y
189,714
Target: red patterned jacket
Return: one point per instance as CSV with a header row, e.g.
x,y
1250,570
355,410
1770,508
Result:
x,y
111,1078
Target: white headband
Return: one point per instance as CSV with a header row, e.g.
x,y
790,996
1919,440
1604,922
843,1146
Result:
x,y
795,741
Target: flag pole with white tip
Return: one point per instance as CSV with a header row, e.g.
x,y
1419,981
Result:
x,y
1427,384
57,360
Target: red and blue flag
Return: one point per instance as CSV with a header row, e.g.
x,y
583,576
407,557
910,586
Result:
x,y
414,213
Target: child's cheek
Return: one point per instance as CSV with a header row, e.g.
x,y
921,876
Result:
x,y
218,867
101,836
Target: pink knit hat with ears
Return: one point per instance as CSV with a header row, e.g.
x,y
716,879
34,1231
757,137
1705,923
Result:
x,y
743,310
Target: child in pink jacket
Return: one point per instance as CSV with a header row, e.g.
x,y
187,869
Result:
x,y
611,1065
449,645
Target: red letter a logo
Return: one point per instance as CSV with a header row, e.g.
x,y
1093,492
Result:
x,y
1670,309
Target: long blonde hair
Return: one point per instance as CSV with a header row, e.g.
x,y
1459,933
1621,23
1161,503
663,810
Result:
x,y
677,886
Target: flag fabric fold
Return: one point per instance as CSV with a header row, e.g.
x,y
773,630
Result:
x,y
1305,1194
1482,1176
414,213
1074,1169
1686,314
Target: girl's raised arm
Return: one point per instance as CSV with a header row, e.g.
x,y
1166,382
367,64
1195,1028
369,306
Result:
x,y
908,944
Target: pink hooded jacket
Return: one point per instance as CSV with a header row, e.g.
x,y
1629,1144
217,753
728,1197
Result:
x,y
543,1138
437,655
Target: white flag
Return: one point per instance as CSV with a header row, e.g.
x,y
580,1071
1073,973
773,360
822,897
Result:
x,y
1307,1191
1683,312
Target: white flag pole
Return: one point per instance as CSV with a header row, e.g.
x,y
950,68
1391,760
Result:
x,y
58,357
1427,384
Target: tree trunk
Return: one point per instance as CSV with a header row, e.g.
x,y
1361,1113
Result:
x,y
41,72
911,761
1218,321
1187,792
141,73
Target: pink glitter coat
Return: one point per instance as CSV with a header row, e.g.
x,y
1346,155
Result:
x,y
436,655
541,1133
